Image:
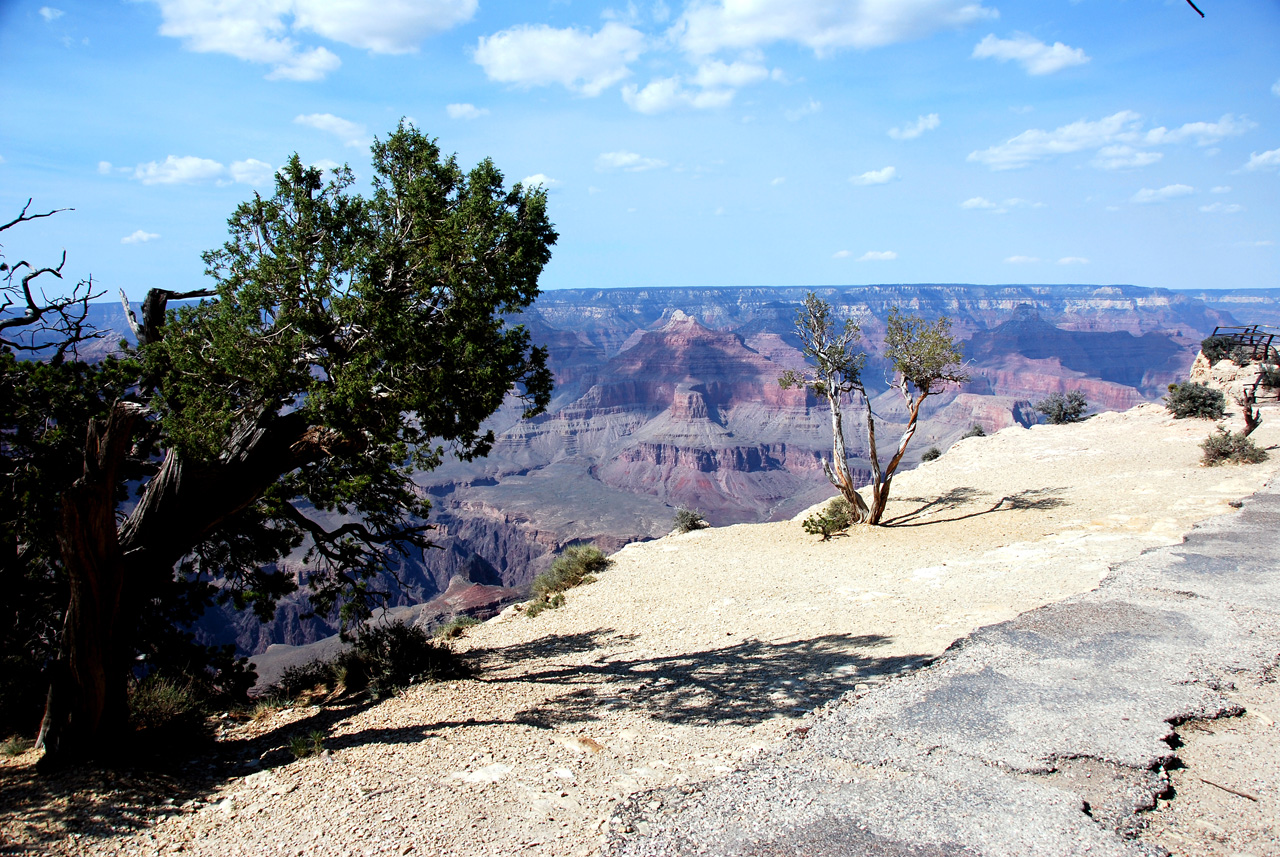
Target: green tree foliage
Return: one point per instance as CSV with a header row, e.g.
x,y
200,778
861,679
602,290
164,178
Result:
x,y
1060,409
833,518
1224,447
349,341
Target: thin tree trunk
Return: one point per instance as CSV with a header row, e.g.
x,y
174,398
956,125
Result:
x,y
87,692
881,496
841,478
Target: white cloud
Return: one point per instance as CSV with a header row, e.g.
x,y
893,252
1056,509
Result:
x,y
878,256
980,202
803,110
1275,88
779,180
708,26
252,172
1172,191
1022,260
914,129
871,177
1036,57
735,75
350,133
1221,208
1035,144
668,93
538,55
465,111
1204,133
1123,158
139,237
1265,161
253,30
841,254
104,168
1073,260
540,179
325,164
174,170
627,161
50,14
1221,189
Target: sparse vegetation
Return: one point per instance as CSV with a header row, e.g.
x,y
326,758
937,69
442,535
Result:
x,y
311,744
1241,356
1215,348
1198,401
383,659
1224,447
975,430
578,565
931,454
159,704
687,520
455,626
15,745
1269,378
833,518
1060,409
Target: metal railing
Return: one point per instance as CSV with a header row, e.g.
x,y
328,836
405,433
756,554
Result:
x,y
1261,348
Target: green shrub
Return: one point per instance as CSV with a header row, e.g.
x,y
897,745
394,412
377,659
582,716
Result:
x,y
387,657
158,704
835,517
1269,377
975,430
1195,400
687,520
16,745
578,565
1215,348
455,626
931,454
314,676
1224,447
311,744
1061,409
1241,356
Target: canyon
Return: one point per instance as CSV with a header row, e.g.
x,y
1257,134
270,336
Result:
x,y
669,397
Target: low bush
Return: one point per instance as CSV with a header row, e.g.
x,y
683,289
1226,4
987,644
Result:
x,y
1241,356
1199,401
159,704
578,565
1269,377
311,744
1215,348
1224,447
384,658
833,518
975,430
455,626
687,520
931,454
1060,409
15,745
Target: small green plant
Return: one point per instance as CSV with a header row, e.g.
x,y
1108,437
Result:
x,y
1224,447
455,626
1269,377
687,520
578,565
1215,348
1241,356
311,744
975,430
835,517
1199,401
312,677
16,745
931,454
159,704
1060,409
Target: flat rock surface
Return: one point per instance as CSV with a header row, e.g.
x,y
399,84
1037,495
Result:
x,y
663,698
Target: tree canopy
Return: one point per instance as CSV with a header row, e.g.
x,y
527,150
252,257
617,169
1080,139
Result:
x,y
346,341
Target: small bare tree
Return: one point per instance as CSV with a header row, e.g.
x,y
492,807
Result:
x,y
925,358
836,372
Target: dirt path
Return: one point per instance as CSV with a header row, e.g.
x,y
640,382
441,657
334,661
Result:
x,y
693,652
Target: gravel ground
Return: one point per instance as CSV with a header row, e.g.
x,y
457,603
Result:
x,y
692,656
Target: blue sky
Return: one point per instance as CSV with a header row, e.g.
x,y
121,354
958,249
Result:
x,y
713,142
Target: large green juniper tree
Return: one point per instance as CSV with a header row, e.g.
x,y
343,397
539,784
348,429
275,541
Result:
x,y
348,341
923,357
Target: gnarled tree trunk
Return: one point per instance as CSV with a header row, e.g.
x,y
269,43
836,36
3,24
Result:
x,y
838,469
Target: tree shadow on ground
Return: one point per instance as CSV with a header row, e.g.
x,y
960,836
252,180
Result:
x,y
1030,499
740,684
